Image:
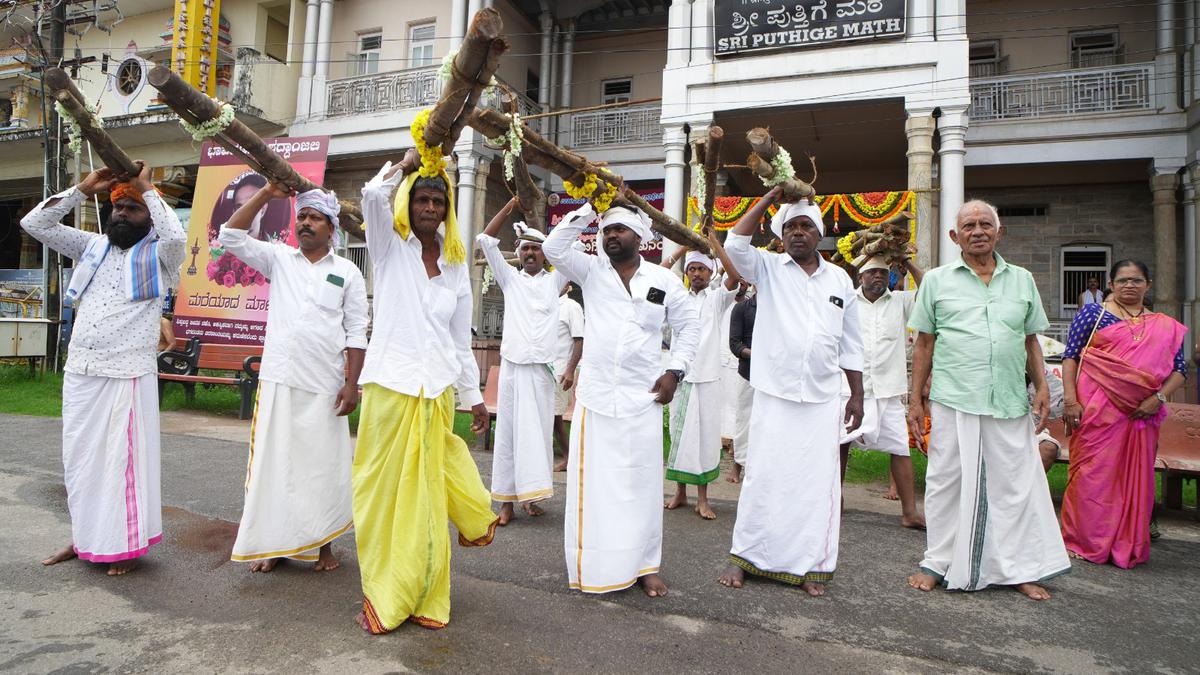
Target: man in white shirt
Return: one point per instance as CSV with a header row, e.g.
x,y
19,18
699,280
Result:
x,y
566,361
806,336
298,496
883,318
411,473
1092,295
110,390
523,452
613,524
695,455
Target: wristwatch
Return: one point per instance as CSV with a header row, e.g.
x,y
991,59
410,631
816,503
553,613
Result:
x,y
677,373
1161,399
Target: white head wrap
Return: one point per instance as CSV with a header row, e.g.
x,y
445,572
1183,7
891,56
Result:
x,y
635,220
526,233
696,256
320,200
874,263
787,212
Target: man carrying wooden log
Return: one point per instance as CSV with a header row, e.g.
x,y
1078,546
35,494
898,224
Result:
x,y
882,317
298,475
523,451
613,523
411,472
695,455
110,389
806,337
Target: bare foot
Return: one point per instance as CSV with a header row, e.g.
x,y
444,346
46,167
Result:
x,y
680,499
1033,591
813,588
1070,554
736,476
561,466
891,494
732,576
326,561
264,565
533,509
121,567
916,522
506,514
923,581
705,510
361,620
65,554
654,586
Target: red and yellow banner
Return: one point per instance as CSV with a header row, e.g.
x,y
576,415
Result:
x,y
862,209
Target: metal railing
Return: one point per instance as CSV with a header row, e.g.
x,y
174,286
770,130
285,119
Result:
x,y
382,92
1073,92
636,124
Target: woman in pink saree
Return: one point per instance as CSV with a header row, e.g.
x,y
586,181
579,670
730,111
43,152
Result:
x,y
1120,366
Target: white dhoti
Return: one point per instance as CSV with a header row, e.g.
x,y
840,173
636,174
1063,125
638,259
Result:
x,y
987,505
298,492
744,405
111,465
884,427
695,455
612,533
523,454
790,507
729,389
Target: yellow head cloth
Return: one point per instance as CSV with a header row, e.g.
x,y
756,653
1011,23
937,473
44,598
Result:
x,y
452,246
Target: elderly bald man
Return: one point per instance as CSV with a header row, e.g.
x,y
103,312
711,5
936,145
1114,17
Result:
x,y
806,338
987,504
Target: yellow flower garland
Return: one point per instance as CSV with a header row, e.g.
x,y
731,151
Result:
x,y
605,199
601,201
844,245
432,161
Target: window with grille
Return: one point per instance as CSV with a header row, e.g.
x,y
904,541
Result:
x,y
1095,48
366,60
420,44
616,91
1080,263
985,59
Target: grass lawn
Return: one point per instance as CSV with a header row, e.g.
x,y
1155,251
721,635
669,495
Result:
x,y
22,395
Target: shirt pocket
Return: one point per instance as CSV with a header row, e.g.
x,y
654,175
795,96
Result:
x,y
648,315
1011,313
329,296
831,316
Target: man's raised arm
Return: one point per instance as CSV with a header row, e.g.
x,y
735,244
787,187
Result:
x,y
573,263
44,221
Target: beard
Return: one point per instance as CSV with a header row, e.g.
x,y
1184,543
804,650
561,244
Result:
x,y
125,234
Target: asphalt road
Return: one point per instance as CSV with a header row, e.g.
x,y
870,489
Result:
x,y
188,609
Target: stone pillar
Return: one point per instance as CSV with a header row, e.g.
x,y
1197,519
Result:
x,y
458,24
920,21
568,54
700,36
308,66
679,35
952,126
546,22
674,187
318,98
919,129
478,221
464,207
1166,85
1166,296
1194,251
1189,251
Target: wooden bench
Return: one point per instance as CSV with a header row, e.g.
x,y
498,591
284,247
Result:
x,y
183,365
1178,457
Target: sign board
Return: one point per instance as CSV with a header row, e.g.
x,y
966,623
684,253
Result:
x,y
652,191
21,293
222,300
741,26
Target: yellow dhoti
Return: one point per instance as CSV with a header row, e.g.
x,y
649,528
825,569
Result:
x,y
411,474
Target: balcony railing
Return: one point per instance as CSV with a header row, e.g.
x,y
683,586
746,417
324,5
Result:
x,y
399,90
382,92
636,124
1074,92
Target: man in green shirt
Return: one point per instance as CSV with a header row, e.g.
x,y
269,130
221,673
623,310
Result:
x,y
987,505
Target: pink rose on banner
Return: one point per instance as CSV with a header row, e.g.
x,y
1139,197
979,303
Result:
x,y
230,280
229,271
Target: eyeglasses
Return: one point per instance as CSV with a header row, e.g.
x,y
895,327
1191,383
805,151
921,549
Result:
x,y
1138,281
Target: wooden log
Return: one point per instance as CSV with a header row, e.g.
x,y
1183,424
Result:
x,y
763,149
533,200
761,143
711,164
110,153
474,65
195,108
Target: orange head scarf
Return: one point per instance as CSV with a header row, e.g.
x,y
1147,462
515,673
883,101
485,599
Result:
x,y
125,191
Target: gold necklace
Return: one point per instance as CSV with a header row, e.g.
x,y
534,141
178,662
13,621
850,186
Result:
x,y
1132,320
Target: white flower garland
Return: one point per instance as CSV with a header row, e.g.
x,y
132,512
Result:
x,y
514,137
216,125
783,169
446,72
488,278
74,133
701,190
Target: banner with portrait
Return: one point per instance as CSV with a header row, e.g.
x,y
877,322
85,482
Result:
x,y
222,300
651,190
